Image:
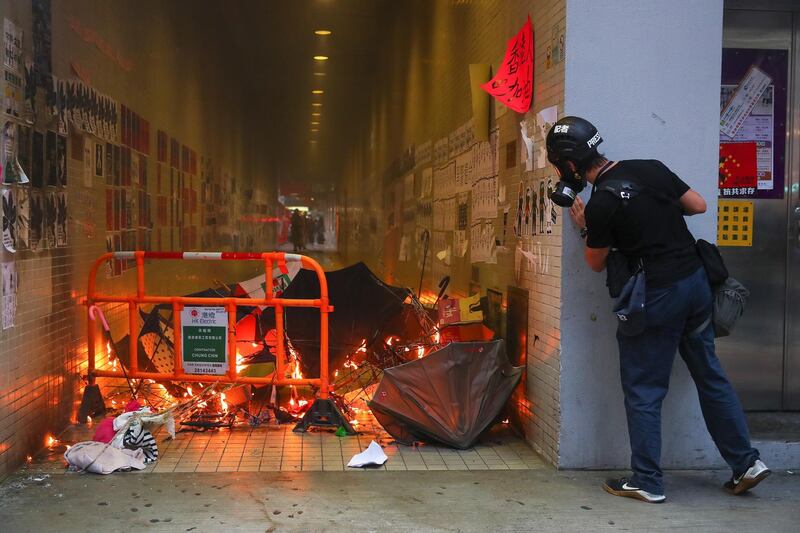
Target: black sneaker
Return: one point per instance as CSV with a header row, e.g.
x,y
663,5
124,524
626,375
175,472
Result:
x,y
623,487
754,475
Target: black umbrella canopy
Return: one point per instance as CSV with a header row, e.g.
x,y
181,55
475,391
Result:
x,y
362,303
450,397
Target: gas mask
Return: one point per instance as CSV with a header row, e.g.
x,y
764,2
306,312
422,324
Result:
x,y
570,183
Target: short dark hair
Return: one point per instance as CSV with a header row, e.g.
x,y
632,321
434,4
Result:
x,y
594,161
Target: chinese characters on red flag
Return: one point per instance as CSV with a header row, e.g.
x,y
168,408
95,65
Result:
x,y
737,169
513,84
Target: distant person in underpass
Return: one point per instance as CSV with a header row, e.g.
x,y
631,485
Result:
x,y
320,230
296,231
634,222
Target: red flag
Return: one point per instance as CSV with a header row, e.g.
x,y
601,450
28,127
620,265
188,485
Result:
x,y
513,84
737,165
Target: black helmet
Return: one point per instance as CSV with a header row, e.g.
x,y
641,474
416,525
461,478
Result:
x,y
574,139
571,139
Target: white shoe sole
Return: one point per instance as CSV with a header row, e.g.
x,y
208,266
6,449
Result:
x,y
748,483
631,494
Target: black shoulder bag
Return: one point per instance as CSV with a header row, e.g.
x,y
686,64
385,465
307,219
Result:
x,y
619,267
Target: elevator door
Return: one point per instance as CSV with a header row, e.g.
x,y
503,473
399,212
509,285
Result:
x,y
762,357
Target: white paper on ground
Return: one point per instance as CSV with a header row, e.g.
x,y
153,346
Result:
x,y
373,455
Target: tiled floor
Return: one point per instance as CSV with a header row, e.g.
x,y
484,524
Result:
x,y
273,448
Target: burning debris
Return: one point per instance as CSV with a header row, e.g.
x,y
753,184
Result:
x,y
374,329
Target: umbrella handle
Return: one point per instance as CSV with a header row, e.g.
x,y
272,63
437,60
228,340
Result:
x,y
94,310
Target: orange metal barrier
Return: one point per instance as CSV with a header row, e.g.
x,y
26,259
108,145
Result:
x,y
230,304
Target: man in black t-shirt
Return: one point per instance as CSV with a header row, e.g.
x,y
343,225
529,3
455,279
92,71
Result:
x,y
637,208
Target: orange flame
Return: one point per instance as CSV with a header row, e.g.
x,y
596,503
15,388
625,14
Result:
x,y
296,372
88,420
29,459
223,403
420,352
51,441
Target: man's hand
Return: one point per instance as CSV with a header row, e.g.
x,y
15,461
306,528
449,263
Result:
x,y
576,213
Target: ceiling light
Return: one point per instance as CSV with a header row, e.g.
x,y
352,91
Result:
x,y
313,141
314,130
321,58
322,32
315,123
317,104
319,74
316,114
317,91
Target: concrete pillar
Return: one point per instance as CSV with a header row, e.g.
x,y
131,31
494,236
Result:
x,y
647,74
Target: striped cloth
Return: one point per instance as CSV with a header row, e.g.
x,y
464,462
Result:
x,y
137,437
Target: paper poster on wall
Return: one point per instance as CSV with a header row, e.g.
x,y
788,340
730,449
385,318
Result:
x,y
551,213
37,220
10,286
741,102
12,46
99,160
9,220
526,152
426,190
753,104
423,154
449,213
61,219
737,167
444,181
11,170
482,242
513,83
484,198
460,243
464,170
544,121
12,93
23,218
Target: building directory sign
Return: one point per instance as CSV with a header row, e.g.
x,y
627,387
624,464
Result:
x,y
204,332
